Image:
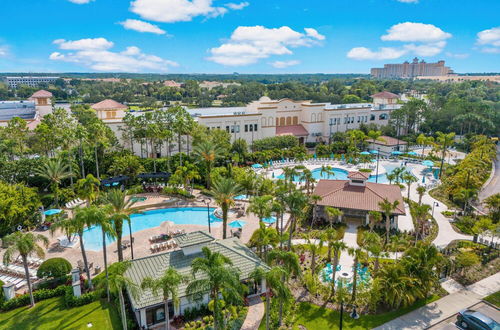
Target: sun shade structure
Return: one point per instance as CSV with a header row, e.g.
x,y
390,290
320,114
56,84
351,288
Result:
x,y
237,224
365,153
156,175
52,211
269,220
412,153
375,152
396,153
114,181
257,166
428,163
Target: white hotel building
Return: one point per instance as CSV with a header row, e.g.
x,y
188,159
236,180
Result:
x,y
309,122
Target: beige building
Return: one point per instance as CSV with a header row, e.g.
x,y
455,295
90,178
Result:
x,y
457,78
411,70
31,110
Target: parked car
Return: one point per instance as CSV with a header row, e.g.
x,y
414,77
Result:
x,y
470,319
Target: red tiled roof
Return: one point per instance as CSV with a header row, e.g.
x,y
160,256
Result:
x,y
41,93
358,175
296,130
385,95
340,194
387,140
108,105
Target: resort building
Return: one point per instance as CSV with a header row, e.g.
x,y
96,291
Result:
x,y
411,70
309,122
31,110
356,197
149,309
13,82
386,145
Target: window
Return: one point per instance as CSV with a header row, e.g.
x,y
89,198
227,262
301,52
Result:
x,y
383,116
246,128
359,119
255,127
263,121
227,128
345,120
251,128
372,117
289,121
295,120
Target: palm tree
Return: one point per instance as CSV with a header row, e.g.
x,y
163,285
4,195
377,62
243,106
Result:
x,y
466,194
333,213
88,188
424,141
121,209
328,170
397,243
224,190
308,178
373,244
421,214
26,244
263,237
391,177
207,152
408,178
444,140
168,284
396,286
296,201
330,236
261,206
118,282
314,249
217,274
375,136
420,191
278,209
186,173
54,170
274,285
108,231
398,173
315,199
357,254
387,208
375,217
337,247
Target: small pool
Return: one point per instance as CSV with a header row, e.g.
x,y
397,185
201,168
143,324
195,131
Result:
x,y
363,274
92,236
241,197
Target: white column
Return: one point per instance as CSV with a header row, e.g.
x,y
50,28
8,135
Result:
x,y
9,291
142,313
367,220
263,285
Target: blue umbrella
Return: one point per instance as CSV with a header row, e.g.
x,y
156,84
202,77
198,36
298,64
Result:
x,y
256,166
332,155
364,153
373,160
342,157
271,162
412,153
315,156
273,175
428,163
396,153
423,179
52,211
269,220
237,224
374,152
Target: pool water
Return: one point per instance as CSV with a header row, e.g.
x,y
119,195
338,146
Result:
x,y
92,237
340,174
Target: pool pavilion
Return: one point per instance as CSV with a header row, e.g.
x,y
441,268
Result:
x,y
149,309
356,197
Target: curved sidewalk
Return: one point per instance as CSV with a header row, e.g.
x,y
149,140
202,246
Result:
x,y
256,311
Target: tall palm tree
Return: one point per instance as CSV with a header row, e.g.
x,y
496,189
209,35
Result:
x,y
391,177
396,286
375,136
375,217
275,286
278,209
408,178
337,247
330,236
207,152
217,274
224,190
328,170
26,245
263,237
88,188
309,180
466,194
168,284
387,208
54,170
118,282
296,201
108,231
121,209
315,199
424,141
373,245
261,206
315,249
420,191
333,213
398,173
421,214
357,254
445,140
397,243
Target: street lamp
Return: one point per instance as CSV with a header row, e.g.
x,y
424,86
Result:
x,y
378,157
434,204
207,201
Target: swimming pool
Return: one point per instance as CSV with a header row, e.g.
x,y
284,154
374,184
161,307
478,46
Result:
x,y
92,237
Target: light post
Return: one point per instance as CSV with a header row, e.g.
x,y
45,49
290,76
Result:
x,y
434,204
378,157
207,201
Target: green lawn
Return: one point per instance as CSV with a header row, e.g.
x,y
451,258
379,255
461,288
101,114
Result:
x,y
314,317
494,299
52,314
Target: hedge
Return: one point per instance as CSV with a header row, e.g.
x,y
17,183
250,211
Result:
x,y
38,295
54,267
71,301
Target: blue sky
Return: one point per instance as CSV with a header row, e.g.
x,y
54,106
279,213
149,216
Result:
x,y
249,36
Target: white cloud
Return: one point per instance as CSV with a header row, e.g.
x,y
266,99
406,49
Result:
x,y
383,53
284,64
430,49
408,1
169,11
249,44
237,6
84,44
489,38
459,56
141,26
416,32
80,2
95,54
4,50
314,34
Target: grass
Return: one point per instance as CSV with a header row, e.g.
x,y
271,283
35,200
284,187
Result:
x,y
314,317
494,299
53,314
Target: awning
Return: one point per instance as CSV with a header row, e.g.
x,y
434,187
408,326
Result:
x,y
295,130
114,181
156,175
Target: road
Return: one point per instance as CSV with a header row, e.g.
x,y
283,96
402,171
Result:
x,y
493,186
449,323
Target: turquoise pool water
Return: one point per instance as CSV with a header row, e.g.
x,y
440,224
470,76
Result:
x,y
340,174
92,237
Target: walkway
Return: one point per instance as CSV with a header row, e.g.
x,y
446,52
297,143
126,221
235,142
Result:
x,y
256,311
492,186
346,261
445,307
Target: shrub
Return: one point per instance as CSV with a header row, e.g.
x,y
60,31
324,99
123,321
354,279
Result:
x,y
38,295
71,301
174,191
54,283
1,292
195,312
54,267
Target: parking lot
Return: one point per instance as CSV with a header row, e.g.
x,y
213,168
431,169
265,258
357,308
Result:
x,y
481,307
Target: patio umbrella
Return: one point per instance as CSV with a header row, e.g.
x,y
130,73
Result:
x,y
428,163
273,175
256,166
269,220
52,211
167,225
396,153
423,179
271,162
374,152
237,224
342,157
412,153
373,160
365,153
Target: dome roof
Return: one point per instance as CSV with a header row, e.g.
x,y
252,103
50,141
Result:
x,y
265,99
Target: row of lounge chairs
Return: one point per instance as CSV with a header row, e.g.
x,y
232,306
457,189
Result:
x,y
74,203
33,262
17,281
17,271
171,244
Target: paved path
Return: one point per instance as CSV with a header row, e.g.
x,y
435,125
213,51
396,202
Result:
x,y
445,307
256,311
493,186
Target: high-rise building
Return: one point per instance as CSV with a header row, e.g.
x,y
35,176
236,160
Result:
x,y
410,70
13,82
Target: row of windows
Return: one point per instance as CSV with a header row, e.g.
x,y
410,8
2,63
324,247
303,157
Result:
x,y
251,128
360,119
287,121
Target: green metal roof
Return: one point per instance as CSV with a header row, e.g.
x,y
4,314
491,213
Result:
x,y
194,238
154,266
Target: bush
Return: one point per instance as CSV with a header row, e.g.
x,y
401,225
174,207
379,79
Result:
x,y
71,301
54,283
1,292
174,191
54,267
195,312
38,295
